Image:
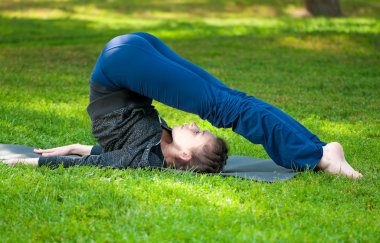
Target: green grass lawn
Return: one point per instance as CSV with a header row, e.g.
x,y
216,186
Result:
x,y
324,72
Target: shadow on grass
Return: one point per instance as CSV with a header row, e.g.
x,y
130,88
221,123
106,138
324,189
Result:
x,y
204,8
37,33
151,8
61,31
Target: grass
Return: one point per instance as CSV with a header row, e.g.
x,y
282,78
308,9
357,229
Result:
x,y
324,72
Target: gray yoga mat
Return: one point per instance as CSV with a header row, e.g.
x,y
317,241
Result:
x,y
238,166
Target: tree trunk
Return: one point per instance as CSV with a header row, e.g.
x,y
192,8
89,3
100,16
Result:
x,y
329,8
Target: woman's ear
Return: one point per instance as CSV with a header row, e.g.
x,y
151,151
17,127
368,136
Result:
x,y
185,156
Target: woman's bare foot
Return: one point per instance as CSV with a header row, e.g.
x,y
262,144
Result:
x,y
334,162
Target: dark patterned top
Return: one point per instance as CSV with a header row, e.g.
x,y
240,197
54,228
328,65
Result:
x,y
127,128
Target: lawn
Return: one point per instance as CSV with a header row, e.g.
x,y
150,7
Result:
x,y
324,72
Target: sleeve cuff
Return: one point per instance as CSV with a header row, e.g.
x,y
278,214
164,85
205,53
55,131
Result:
x,y
96,150
50,161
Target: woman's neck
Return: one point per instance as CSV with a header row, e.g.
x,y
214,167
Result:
x,y
166,148
166,137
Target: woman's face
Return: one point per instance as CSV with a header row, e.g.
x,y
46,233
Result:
x,y
189,137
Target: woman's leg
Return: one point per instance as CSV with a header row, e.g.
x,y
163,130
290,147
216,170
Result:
x,y
153,70
161,47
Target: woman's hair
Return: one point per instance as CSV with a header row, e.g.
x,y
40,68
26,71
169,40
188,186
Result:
x,y
211,158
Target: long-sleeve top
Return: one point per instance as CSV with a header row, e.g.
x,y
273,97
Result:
x,y
127,127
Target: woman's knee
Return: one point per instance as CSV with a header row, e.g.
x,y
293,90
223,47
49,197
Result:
x,y
130,40
148,37
226,108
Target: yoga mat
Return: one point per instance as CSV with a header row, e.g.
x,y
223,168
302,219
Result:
x,y
238,166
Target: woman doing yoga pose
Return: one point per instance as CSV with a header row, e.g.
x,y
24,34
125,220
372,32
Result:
x,y
135,68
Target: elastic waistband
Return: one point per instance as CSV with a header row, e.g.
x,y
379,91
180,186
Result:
x,y
111,100
109,103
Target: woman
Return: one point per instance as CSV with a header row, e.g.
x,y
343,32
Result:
x,y
139,65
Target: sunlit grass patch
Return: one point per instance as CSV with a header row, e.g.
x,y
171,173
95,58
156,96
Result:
x,y
332,43
36,13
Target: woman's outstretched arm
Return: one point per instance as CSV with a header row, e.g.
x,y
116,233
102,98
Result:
x,y
118,159
72,149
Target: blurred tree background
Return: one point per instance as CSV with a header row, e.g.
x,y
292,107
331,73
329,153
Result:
x,y
324,7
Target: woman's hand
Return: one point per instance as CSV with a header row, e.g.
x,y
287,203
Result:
x,y
59,151
65,150
28,161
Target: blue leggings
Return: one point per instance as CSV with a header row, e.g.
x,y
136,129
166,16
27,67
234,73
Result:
x,y
144,64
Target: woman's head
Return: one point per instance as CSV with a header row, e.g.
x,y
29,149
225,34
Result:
x,y
197,149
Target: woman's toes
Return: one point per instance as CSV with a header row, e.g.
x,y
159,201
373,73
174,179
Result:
x,y
357,175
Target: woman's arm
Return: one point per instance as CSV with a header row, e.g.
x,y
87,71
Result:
x,y
122,158
72,149
116,159
78,149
